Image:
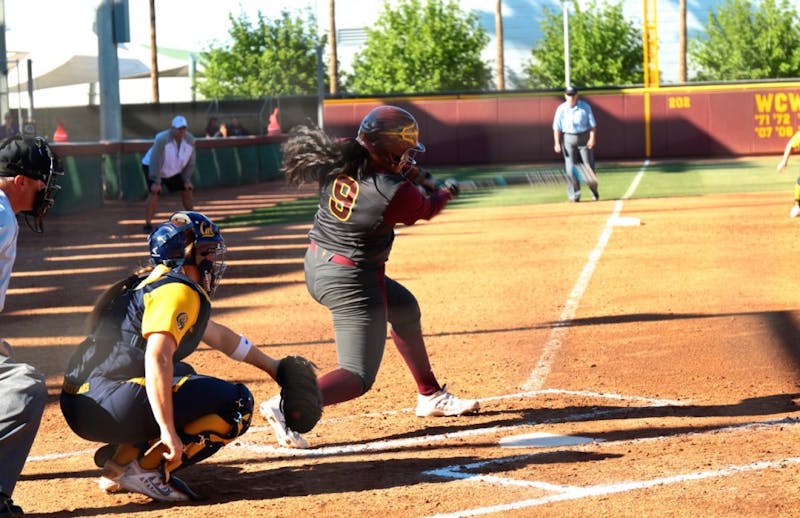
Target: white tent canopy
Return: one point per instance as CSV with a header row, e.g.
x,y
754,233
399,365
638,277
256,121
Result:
x,y
51,68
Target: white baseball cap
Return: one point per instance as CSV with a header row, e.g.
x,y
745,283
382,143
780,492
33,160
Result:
x,y
179,122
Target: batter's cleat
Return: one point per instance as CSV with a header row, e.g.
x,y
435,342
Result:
x,y
151,482
288,438
8,508
445,404
595,195
795,211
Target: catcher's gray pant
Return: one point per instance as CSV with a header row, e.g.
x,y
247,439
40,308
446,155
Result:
x,y
22,398
577,155
361,301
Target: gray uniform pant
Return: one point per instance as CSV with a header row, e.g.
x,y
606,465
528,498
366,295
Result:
x,y
362,301
578,159
22,398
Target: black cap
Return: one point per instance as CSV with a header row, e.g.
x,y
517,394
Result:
x,y
571,90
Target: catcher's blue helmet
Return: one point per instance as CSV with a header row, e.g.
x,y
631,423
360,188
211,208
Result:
x,y
170,246
167,245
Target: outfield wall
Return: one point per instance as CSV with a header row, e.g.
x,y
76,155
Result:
x,y
661,123
711,121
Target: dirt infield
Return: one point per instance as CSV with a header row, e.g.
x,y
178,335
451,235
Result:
x,y
623,369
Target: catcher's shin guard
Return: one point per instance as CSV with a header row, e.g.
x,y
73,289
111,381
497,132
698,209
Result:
x,y
205,435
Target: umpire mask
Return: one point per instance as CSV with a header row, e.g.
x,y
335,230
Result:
x,y
32,157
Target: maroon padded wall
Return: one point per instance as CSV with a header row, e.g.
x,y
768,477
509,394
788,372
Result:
x,y
697,121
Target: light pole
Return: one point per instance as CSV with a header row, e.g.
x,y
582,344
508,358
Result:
x,y
565,13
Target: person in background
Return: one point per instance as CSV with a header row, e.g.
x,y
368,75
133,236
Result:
x,y
28,174
792,144
574,130
170,161
235,128
9,127
212,128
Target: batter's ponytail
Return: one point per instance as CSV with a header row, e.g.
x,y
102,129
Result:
x,y
311,155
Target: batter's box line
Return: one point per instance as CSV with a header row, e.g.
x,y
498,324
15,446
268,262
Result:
x,y
381,445
426,440
564,493
530,394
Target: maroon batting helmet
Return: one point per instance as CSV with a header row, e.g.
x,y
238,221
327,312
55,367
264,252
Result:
x,y
391,135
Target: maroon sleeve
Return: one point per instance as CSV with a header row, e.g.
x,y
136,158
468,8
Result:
x,y
409,205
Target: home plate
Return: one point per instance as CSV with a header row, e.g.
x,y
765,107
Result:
x,y
627,221
543,440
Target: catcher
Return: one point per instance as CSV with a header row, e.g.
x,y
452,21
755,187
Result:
x,y
127,384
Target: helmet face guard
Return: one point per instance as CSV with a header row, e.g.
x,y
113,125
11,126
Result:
x,y
208,247
33,158
391,135
210,261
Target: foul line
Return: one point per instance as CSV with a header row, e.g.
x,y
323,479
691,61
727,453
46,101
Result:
x,y
575,493
553,344
564,493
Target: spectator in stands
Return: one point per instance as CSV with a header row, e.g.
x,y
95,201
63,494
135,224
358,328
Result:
x,y
169,161
9,127
213,128
235,128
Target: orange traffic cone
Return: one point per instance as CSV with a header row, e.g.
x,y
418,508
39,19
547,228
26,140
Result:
x,y
61,133
274,127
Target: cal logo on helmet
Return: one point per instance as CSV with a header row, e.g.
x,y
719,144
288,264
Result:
x,y
206,229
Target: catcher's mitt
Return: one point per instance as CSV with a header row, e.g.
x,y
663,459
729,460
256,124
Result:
x,y
301,399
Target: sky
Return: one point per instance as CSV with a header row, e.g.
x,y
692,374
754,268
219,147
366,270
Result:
x,y
55,27
182,24
193,24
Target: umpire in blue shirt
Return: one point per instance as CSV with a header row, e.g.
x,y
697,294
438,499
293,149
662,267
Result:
x,y
574,136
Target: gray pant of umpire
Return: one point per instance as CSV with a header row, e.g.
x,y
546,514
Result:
x,y
22,398
576,154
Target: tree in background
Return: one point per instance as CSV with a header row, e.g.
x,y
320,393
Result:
x,y
605,49
747,42
414,48
266,58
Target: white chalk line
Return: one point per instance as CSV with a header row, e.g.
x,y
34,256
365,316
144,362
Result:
x,y
553,343
564,493
379,445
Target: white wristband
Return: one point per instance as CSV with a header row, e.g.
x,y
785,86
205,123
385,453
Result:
x,y
242,349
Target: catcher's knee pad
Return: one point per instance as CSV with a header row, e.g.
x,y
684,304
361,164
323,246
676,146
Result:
x,y
205,435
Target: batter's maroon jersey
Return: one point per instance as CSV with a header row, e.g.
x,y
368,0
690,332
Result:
x,y
356,219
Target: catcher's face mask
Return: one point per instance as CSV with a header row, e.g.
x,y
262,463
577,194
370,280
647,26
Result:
x,y
210,261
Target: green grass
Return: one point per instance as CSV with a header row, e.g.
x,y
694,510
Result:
x,y
660,179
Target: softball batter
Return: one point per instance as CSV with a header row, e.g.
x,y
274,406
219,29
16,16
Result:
x,y
363,194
